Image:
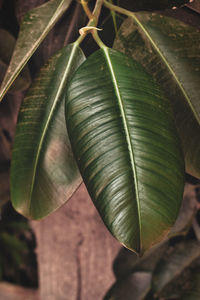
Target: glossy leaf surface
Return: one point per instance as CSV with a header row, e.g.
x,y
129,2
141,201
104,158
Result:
x,y
124,139
169,50
35,26
43,173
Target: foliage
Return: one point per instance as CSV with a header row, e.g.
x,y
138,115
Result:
x,y
130,121
17,258
168,270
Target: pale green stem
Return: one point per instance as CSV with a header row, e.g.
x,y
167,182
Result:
x,y
88,12
118,9
94,17
97,39
113,14
97,11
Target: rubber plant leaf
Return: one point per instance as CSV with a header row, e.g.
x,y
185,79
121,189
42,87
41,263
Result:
x,y
7,42
169,50
125,142
44,173
35,26
151,4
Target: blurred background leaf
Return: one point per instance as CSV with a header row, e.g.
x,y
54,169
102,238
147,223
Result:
x,y
169,50
7,42
151,4
38,21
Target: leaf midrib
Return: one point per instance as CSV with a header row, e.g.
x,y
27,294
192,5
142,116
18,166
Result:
x,y
157,49
127,134
19,67
57,96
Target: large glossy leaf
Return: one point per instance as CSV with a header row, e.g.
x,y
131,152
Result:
x,y
125,143
43,172
151,4
35,26
169,50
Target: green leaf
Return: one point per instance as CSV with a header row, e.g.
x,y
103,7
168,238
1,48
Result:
x,y
35,26
124,139
7,42
43,172
173,265
169,50
151,4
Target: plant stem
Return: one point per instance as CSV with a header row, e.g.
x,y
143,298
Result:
x,y
97,11
93,21
97,39
118,9
88,12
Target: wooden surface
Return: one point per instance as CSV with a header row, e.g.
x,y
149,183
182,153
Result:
x,y
75,252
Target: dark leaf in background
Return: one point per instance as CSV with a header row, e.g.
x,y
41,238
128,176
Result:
x,y
65,31
7,42
128,262
21,7
17,258
173,265
4,182
187,212
35,26
169,50
194,292
151,4
195,5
